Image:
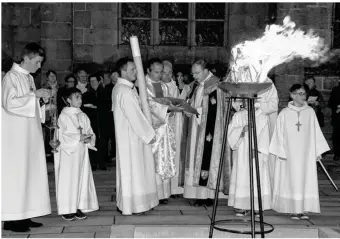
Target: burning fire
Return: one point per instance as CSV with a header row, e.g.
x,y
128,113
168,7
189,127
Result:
x,y
252,60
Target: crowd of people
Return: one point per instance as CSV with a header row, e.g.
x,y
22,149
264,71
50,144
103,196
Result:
x,y
174,153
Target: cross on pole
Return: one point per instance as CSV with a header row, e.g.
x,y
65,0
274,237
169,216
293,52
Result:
x,y
298,125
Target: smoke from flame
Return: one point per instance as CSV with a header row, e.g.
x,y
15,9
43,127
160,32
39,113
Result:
x,y
252,60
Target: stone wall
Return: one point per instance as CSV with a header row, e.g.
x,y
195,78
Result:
x,y
317,16
78,33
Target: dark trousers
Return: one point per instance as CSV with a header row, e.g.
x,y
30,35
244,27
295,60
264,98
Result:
x,y
336,139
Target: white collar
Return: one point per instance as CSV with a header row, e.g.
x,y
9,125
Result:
x,y
208,77
82,84
296,108
125,82
72,110
17,67
149,78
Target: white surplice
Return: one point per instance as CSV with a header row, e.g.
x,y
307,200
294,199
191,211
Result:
x,y
24,182
269,102
239,189
176,122
75,188
297,142
135,180
165,145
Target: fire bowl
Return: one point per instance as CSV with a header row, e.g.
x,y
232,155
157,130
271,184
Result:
x,y
243,89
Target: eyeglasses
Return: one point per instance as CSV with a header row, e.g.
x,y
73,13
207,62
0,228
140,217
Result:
x,y
71,82
196,73
300,93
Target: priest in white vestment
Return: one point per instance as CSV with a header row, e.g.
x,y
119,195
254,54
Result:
x,y
136,180
298,143
239,190
164,148
75,188
24,182
176,122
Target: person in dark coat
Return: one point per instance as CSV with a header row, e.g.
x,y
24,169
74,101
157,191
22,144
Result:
x,y
334,104
316,104
109,119
70,82
96,106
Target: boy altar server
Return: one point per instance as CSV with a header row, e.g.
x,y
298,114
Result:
x,y
75,189
239,190
298,143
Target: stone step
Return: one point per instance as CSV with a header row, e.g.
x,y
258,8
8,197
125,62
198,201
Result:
x,y
202,231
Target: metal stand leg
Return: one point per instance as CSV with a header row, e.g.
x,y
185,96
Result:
x,y
224,142
251,173
257,167
253,157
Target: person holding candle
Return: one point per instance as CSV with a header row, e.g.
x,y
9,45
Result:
x,y
75,188
136,180
24,187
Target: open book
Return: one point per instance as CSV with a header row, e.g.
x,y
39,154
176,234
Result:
x,y
180,104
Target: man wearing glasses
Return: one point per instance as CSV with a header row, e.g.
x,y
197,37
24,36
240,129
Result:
x,y
204,139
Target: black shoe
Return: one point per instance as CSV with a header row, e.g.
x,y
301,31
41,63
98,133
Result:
x,y
16,226
163,201
30,223
103,168
199,202
119,210
69,217
176,196
80,215
209,202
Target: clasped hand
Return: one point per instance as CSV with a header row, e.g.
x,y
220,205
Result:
x,y
43,93
86,138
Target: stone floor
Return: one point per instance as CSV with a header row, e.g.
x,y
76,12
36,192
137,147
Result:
x,y
178,213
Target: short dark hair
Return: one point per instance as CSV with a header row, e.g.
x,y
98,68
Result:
x,y
202,63
31,50
96,75
153,61
296,87
51,71
309,77
121,64
70,76
72,91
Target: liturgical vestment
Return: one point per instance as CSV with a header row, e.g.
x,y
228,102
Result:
x,y
24,182
176,122
75,188
297,142
239,192
136,184
205,142
164,149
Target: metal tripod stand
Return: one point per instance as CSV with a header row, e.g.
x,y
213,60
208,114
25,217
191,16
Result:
x,y
249,93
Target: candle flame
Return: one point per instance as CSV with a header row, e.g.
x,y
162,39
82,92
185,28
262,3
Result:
x,y
252,60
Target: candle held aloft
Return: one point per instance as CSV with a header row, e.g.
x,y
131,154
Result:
x,y
140,77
